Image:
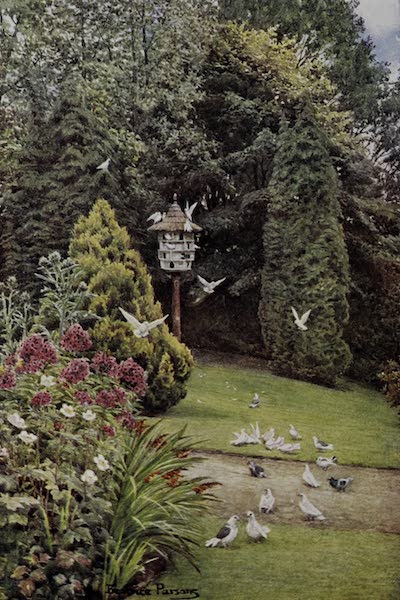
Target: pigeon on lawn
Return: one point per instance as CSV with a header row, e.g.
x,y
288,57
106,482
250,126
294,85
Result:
x,y
325,463
267,502
340,484
255,530
311,511
301,322
294,434
255,434
274,444
189,210
209,287
226,535
157,217
309,478
320,445
104,165
241,438
255,403
256,470
268,435
289,448
141,329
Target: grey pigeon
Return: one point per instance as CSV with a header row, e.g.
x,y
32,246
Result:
x,y
320,445
340,484
255,530
226,535
256,470
255,403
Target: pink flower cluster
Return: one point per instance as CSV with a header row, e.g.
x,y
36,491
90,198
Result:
x,y
83,397
108,430
101,363
111,398
75,371
7,380
42,399
127,420
132,376
35,353
76,339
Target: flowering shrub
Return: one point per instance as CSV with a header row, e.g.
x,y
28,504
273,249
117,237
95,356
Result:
x,y
72,444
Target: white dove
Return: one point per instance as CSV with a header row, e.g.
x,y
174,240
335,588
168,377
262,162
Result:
x,y
187,226
309,509
255,530
226,535
273,444
255,433
189,210
141,329
320,445
170,246
268,435
289,448
294,434
255,403
325,463
301,322
209,287
157,217
104,165
241,438
309,478
203,202
267,502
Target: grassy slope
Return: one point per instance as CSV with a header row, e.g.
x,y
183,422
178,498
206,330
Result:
x,y
295,563
357,420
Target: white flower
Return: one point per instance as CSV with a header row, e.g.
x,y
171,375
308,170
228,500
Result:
x,y
47,380
27,438
89,415
4,453
67,410
101,462
89,477
16,420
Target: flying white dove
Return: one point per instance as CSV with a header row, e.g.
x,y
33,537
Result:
x,y
226,535
203,202
187,226
325,463
267,502
255,530
311,511
255,403
289,448
209,287
104,165
255,434
301,322
141,329
157,217
320,445
294,434
189,210
309,478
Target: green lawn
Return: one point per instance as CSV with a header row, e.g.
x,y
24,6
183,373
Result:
x,y
356,419
295,563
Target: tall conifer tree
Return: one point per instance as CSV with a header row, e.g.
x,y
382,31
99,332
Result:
x,y
306,263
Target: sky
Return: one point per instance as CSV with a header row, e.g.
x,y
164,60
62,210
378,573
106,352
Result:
x,y
382,21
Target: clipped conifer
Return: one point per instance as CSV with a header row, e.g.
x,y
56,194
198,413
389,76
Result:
x,y
306,262
118,276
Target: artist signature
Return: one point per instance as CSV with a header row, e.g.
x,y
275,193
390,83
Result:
x,y
159,589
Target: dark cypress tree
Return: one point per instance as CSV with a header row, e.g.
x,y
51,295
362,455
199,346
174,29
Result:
x,y
58,180
306,263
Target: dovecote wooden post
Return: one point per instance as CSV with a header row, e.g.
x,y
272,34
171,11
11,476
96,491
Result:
x,y
176,252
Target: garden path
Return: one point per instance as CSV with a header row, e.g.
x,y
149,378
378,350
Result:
x,y
371,503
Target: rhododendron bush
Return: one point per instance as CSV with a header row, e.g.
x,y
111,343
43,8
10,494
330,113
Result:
x,y
72,449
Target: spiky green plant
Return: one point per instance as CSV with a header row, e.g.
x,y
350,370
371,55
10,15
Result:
x,y
155,510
